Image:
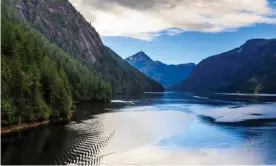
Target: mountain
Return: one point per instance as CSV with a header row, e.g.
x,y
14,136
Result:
x,y
39,80
250,68
163,73
64,26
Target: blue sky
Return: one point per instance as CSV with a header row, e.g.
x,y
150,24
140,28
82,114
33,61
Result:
x,y
178,31
188,46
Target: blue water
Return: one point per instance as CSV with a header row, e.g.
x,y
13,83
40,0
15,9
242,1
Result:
x,y
155,128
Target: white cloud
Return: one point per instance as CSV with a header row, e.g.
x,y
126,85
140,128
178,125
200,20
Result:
x,y
146,19
174,31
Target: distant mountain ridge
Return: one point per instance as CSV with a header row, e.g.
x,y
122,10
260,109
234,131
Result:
x,y
163,73
250,68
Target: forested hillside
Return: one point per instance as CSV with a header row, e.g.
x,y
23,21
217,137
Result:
x,y
52,56
250,68
63,25
40,80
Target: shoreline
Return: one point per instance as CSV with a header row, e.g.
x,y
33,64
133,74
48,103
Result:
x,y
25,126
22,126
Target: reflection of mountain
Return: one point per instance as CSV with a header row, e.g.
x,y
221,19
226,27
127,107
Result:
x,y
249,68
258,121
163,73
253,132
240,115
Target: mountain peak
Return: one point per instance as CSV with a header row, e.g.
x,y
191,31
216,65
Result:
x,y
141,53
139,56
161,72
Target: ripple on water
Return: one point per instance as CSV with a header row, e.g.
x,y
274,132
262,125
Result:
x,y
86,147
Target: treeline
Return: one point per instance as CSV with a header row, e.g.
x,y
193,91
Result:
x,y
40,80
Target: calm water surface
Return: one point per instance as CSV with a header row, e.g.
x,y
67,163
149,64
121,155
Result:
x,y
155,128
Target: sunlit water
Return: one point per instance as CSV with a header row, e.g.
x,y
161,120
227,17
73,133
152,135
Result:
x,y
155,129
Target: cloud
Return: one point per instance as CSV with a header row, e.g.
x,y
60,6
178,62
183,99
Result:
x,y
174,31
146,19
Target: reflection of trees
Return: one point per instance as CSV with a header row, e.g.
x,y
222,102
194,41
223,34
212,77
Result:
x,y
44,144
85,147
34,146
87,109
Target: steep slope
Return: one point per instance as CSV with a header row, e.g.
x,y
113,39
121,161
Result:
x,y
63,25
139,77
39,81
163,73
249,68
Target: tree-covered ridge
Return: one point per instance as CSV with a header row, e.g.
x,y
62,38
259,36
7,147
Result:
x,y
40,80
64,26
250,68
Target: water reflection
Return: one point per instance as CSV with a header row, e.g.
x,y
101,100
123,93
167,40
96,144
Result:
x,y
169,128
34,146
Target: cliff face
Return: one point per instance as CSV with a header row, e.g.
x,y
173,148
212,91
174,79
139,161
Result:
x,y
63,25
60,22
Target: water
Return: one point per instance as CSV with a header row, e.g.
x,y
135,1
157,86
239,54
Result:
x,y
155,128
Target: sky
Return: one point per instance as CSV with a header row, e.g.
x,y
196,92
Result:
x,y
178,31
